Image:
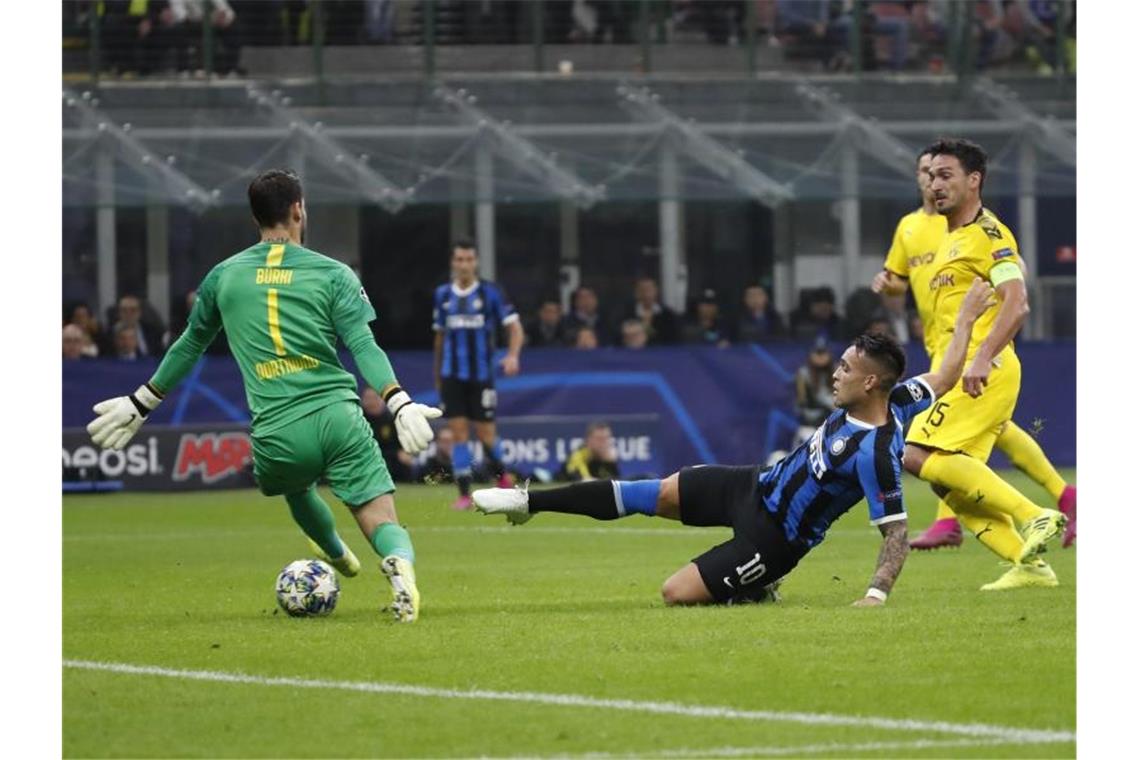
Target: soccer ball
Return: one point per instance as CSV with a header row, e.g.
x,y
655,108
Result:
x,y
307,588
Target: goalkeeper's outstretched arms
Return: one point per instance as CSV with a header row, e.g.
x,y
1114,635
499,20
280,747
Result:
x,y
412,427
120,418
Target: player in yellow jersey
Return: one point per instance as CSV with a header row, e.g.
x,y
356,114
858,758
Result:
x,y
949,445
909,263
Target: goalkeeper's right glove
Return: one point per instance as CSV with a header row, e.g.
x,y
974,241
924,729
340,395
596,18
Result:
x,y
412,426
120,418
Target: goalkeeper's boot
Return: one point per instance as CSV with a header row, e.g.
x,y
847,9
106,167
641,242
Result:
x,y
1039,530
512,502
505,480
405,604
347,564
1067,505
462,504
944,532
1036,572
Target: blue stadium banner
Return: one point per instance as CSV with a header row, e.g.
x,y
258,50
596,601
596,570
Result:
x,y
713,406
546,442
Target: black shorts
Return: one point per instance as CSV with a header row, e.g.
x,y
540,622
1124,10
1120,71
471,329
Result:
x,y
471,399
758,552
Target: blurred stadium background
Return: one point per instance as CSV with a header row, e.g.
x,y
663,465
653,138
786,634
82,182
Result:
x,y
707,146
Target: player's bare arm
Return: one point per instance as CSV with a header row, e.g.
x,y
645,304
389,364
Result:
x,y
515,337
979,298
1014,308
892,555
890,283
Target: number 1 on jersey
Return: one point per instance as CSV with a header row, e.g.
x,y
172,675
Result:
x,y
275,323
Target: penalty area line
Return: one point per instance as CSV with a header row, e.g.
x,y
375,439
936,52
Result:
x,y
973,730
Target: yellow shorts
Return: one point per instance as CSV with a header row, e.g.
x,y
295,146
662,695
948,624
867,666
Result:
x,y
958,423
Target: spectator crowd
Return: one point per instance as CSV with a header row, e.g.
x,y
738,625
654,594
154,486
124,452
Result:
x,y
645,321
155,36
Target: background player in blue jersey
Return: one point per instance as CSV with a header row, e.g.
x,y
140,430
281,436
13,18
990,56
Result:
x,y
779,514
466,316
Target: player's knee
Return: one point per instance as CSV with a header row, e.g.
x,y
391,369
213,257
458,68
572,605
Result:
x,y
672,592
683,588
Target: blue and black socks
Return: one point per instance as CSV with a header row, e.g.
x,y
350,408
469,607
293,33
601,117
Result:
x,y
599,499
461,466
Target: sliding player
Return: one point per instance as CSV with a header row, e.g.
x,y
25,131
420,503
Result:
x,y
910,262
283,307
779,514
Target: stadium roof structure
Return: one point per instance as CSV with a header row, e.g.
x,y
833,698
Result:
x,y
554,138
317,145
159,173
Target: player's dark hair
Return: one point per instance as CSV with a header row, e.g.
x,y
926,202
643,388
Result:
x,y
464,243
271,194
969,154
597,425
885,351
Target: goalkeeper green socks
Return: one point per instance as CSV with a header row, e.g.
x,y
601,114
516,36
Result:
x,y
391,539
316,519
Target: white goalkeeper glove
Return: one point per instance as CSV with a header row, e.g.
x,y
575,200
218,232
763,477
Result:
x,y
120,418
412,426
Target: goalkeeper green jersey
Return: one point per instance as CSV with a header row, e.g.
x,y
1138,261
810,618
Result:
x,y
282,307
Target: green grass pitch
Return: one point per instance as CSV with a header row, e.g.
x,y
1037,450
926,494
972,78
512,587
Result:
x,y
561,606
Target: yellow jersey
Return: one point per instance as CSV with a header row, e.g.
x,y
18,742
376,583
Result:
x,y
917,239
972,250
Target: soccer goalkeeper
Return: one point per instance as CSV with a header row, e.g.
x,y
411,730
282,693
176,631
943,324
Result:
x,y
282,307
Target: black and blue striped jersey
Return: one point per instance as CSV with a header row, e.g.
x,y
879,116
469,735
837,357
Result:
x,y
844,461
469,319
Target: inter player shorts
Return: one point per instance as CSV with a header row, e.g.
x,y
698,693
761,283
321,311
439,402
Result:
x,y
758,552
472,400
334,442
956,423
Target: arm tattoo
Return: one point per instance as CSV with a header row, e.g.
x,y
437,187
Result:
x,y
891,555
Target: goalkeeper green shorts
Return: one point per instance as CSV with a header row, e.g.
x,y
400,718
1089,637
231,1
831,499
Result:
x,y
333,443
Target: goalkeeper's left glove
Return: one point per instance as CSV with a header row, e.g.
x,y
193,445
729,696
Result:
x,y
120,418
412,426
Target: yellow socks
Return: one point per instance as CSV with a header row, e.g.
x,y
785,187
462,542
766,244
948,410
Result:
x,y
944,512
975,481
1027,456
994,529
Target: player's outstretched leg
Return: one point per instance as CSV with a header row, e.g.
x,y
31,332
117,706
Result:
x,y
944,531
377,519
599,499
1027,456
311,512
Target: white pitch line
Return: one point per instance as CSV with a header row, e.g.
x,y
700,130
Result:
x,y
974,730
778,750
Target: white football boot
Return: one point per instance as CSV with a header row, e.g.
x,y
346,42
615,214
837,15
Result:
x,y
405,606
512,502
